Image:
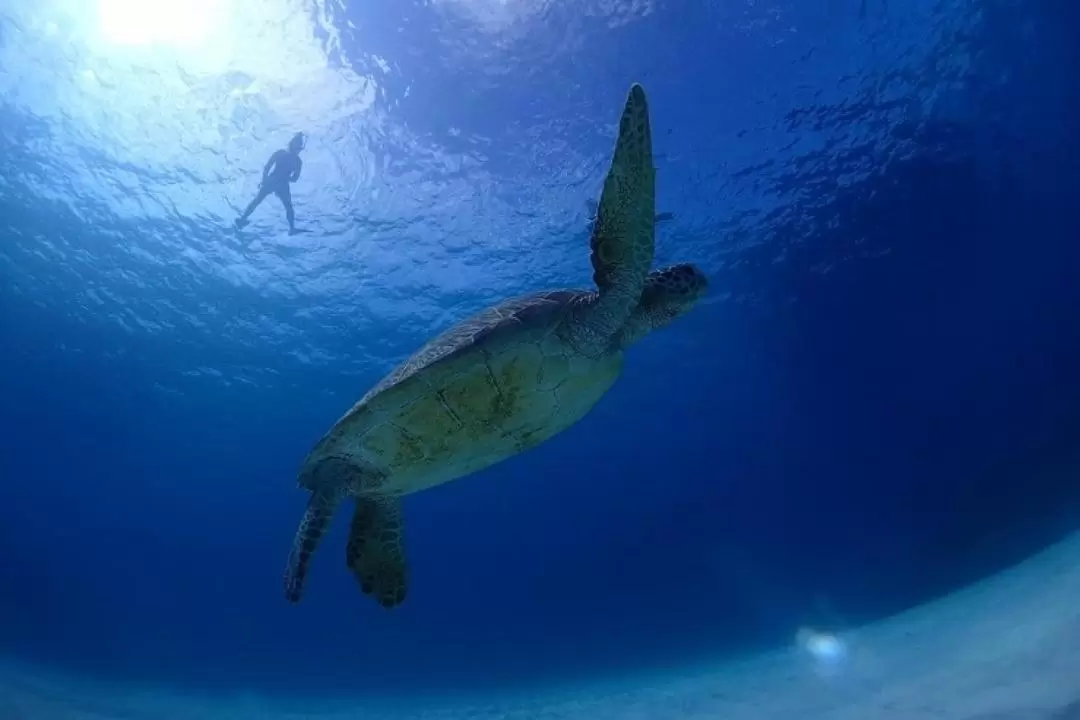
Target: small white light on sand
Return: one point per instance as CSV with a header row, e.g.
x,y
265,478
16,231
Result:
x,y
824,647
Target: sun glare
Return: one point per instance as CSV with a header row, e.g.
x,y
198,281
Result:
x,y
183,23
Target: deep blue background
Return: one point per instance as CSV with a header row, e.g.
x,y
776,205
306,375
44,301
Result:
x,y
879,404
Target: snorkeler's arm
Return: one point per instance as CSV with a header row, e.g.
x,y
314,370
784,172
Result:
x,y
296,172
269,164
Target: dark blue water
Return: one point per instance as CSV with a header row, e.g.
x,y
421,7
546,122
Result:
x,y
876,404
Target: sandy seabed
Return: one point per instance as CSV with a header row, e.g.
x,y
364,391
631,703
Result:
x,y
1007,648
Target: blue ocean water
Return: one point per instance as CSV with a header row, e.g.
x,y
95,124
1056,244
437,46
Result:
x,y
875,405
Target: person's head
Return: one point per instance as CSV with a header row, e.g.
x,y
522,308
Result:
x,y
297,143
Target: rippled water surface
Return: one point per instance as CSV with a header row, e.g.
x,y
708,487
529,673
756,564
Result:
x,y
454,149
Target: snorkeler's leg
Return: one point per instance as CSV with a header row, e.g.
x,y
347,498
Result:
x,y
286,200
263,192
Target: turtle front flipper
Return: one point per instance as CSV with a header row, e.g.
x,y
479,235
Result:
x,y
623,234
316,520
376,550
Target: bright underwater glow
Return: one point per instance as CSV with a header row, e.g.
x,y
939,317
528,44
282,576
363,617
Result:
x,y
826,649
162,22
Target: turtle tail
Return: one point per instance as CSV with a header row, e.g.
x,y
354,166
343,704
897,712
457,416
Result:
x,y
316,520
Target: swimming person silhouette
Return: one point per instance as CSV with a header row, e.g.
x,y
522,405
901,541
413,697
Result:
x,y
282,168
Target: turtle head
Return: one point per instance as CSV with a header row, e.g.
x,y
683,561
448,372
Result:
x,y
669,292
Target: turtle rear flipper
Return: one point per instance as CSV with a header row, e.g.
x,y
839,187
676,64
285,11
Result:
x,y
376,551
316,520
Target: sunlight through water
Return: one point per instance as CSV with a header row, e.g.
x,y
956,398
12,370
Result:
x,y
159,88
196,25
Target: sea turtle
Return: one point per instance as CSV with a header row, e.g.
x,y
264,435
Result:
x,y
496,384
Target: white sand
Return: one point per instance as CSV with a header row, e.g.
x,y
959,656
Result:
x,y
1005,649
